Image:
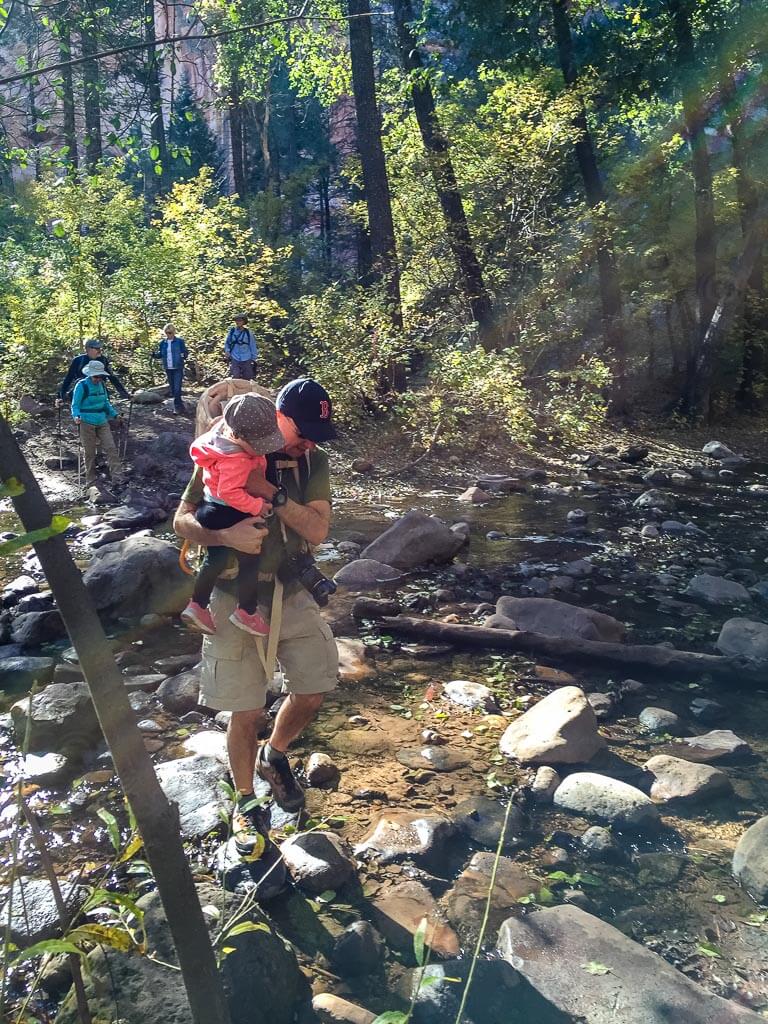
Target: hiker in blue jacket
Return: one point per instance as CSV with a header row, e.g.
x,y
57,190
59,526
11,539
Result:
x,y
93,350
92,411
240,349
172,352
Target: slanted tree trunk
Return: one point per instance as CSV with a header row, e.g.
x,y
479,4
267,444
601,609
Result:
x,y
381,228
698,383
157,819
32,111
608,275
438,152
157,183
69,131
91,89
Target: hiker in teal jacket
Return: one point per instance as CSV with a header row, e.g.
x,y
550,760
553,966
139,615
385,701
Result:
x,y
92,412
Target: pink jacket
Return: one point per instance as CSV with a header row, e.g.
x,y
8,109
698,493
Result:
x,y
225,476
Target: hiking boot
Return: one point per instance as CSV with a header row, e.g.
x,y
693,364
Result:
x,y
286,791
251,622
250,828
198,618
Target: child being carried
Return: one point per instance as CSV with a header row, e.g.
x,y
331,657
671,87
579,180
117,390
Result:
x,y
228,454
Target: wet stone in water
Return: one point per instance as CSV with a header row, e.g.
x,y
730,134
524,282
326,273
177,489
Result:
x,y
438,759
401,835
264,878
482,819
358,950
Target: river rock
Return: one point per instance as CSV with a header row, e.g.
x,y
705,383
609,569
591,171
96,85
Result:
x,y
405,835
261,972
470,695
465,902
21,673
660,720
63,720
366,572
33,913
147,682
744,638
601,798
321,770
46,769
602,704
415,539
331,1009
42,602
497,995
656,478
193,784
433,758
714,746
639,987
36,628
130,518
179,694
634,453
679,781
544,784
555,618
398,911
707,711
261,880
475,496
13,592
655,499
717,450
499,483
577,516
750,860
317,862
148,396
137,576
358,950
560,729
209,743
482,819
718,590
598,844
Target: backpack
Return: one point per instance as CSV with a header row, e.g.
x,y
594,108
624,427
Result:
x,y
231,342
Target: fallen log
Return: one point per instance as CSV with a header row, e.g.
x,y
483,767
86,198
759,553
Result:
x,y
635,656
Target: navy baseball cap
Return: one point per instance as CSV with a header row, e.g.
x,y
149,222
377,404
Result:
x,y
309,405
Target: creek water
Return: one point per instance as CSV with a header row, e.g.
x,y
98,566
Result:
x,y
673,891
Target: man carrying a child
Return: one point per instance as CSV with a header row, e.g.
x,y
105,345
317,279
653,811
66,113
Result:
x,y
235,662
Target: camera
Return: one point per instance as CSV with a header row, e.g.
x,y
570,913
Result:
x,y
302,568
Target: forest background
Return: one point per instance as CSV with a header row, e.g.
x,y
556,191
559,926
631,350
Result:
x,y
544,211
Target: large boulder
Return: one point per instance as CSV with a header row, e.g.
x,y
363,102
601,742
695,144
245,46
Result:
x,y
750,860
717,590
556,618
62,720
261,972
137,576
685,782
193,784
180,693
32,629
600,798
31,909
591,971
415,539
560,729
744,638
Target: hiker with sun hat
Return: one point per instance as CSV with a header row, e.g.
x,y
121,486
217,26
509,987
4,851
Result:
x,y
92,411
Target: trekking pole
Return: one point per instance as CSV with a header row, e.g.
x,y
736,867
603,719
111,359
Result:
x,y
79,458
126,431
58,435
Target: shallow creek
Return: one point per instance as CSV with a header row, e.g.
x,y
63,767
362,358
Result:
x,y
672,891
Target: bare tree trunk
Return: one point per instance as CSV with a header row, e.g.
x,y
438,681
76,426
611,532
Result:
x,y
375,181
158,820
67,92
611,302
698,384
32,111
91,89
441,166
237,141
156,183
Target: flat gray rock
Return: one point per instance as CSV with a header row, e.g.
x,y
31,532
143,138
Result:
x,y
33,914
405,835
137,576
600,798
366,572
482,819
685,782
317,861
750,860
431,758
63,720
23,672
714,746
553,949
655,499
660,720
718,590
179,694
556,618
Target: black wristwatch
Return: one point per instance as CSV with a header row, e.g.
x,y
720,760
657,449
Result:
x,y
279,498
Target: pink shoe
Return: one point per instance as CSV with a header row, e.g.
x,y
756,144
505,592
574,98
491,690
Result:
x,y
198,618
251,622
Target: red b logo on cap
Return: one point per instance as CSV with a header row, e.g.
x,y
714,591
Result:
x,y
325,410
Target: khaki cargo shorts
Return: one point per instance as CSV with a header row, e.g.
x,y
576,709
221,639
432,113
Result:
x,y
233,677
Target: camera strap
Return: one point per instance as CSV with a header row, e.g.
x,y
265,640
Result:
x,y
268,658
